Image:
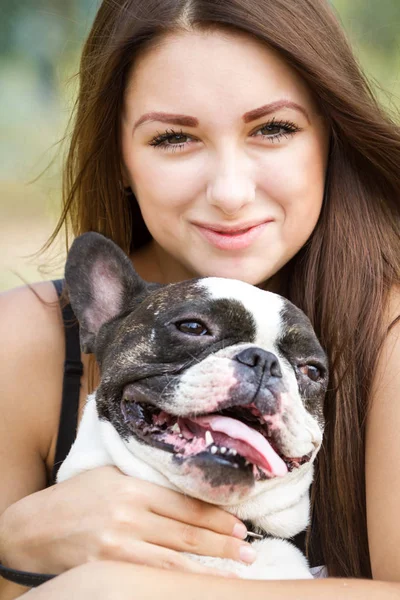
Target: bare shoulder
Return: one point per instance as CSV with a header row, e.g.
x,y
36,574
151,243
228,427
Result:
x,y
383,451
31,365
31,311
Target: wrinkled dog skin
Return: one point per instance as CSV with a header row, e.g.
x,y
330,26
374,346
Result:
x,y
210,387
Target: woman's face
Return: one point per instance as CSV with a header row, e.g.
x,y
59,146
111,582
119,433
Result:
x,y
226,152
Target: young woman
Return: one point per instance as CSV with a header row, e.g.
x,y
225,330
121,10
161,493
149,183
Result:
x,y
237,139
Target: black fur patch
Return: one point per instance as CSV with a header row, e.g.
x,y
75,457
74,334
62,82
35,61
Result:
x,y
300,346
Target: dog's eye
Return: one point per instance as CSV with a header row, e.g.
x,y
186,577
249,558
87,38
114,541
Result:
x,y
192,328
312,372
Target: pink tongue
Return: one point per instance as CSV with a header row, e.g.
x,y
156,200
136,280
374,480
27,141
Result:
x,y
269,459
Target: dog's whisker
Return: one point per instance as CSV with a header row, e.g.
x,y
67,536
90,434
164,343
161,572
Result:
x,y
194,358
165,387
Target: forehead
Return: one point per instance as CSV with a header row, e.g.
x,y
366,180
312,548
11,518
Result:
x,y
246,74
265,308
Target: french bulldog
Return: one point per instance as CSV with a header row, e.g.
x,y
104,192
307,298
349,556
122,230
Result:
x,y
211,387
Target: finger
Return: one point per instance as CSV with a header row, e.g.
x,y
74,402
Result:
x,y
195,512
184,537
151,555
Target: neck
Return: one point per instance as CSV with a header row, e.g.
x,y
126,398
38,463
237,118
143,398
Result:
x,y
154,265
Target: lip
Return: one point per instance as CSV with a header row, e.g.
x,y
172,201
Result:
x,y
237,237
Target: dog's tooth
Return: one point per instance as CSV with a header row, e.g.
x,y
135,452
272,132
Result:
x,y
209,438
175,428
232,452
214,449
222,449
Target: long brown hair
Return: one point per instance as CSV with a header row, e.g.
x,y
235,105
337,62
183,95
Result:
x,y
341,278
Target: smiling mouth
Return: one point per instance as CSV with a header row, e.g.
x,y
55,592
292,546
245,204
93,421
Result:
x,y
231,240
238,437
232,233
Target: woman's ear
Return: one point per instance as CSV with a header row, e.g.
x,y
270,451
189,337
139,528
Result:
x,y
126,183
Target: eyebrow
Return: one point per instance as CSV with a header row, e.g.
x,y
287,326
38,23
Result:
x,y
183,120
267,109
249,116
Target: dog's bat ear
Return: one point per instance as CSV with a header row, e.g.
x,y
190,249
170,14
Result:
x,y
101,284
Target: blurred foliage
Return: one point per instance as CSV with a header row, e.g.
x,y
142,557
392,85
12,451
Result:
x,y
47,23
40,43
373,27
376,22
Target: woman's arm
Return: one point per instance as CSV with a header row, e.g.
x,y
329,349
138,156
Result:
x,y
31,359
120,581
383,456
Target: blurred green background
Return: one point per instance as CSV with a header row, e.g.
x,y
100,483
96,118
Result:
x,y
40,42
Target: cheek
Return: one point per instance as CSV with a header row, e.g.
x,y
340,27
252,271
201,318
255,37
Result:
x,y
295,177
167,184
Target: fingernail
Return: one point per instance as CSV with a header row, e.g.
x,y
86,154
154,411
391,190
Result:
x,y
247,554
240,531
229,574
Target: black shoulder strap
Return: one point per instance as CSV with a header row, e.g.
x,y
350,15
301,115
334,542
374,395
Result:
x,y
73,370
23,577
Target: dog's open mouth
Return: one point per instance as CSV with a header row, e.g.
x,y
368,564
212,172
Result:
x,y
238,436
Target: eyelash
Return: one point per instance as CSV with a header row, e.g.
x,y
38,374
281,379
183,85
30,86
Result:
x,y
159,141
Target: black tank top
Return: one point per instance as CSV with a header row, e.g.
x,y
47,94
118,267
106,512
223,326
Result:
x,y
73,370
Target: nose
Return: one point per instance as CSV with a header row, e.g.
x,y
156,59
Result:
x,y
260,359
232,186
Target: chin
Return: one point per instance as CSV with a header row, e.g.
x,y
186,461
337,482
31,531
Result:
x,y
233,268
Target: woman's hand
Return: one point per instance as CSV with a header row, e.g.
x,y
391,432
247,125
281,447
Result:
x,y
105,515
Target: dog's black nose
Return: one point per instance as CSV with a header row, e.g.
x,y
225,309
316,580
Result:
x,y
265,361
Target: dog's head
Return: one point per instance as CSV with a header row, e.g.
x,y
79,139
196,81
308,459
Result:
x,y
217,384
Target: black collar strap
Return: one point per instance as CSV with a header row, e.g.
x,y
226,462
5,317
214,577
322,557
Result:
x,y
254,533
23,577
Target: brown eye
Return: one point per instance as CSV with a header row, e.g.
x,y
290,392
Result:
x,y
192,328
312,372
